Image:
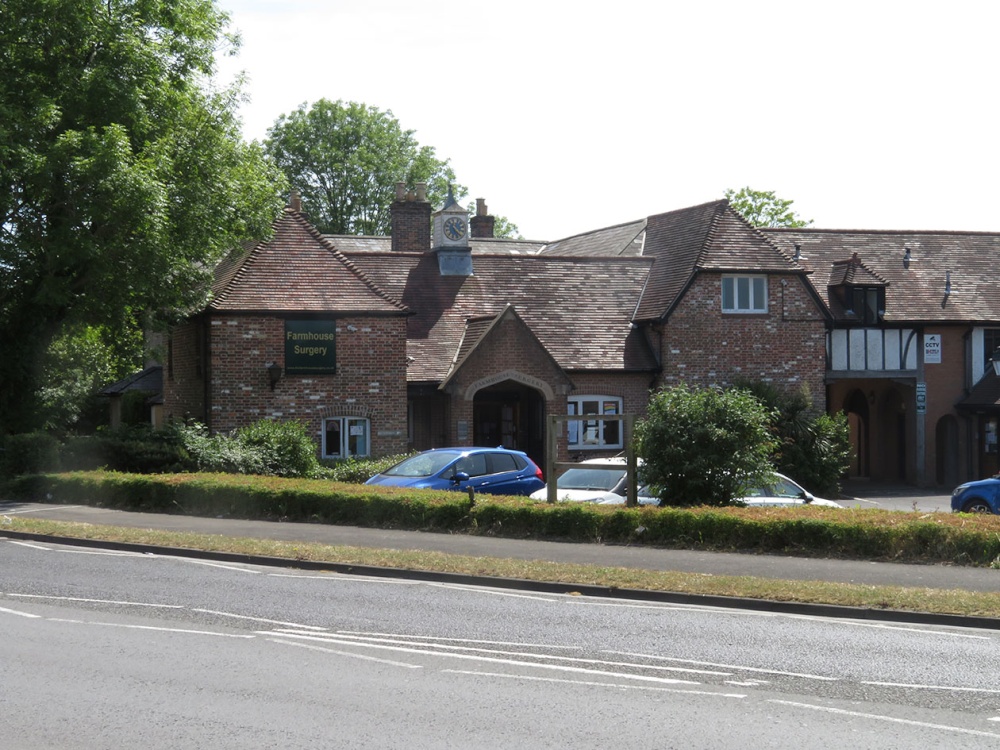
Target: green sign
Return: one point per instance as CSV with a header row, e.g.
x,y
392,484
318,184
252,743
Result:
x,y
310,347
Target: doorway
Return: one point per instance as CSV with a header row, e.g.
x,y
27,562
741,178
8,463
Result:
x,y
511,415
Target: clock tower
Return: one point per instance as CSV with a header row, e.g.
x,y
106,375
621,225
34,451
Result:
x,y
451,225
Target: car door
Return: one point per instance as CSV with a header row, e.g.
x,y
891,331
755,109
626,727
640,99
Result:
x,y
504,475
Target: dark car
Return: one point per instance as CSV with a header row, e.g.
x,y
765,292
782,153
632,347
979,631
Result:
x,y
496,471
977,497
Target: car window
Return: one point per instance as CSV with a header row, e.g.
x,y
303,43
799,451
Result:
x,y
474,465
500,462
589,479
422,465
785,488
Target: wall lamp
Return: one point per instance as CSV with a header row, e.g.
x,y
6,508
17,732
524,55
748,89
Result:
x,y
273,373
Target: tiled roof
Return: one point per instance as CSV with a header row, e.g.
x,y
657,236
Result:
x,y
985,395
916,291
579,308
297,270
854,273
622,239
149,380
711,236
479,245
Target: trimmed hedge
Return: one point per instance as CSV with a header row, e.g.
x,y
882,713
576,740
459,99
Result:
x,y
819,532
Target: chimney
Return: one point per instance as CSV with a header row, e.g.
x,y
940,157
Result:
x,y
481,225
411,220
295,201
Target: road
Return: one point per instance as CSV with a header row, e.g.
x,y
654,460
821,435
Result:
x,y
109,650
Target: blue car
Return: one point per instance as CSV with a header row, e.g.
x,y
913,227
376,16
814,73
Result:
x,y
496,471
977,497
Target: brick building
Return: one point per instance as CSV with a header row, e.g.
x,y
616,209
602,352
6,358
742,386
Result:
x,y
444,335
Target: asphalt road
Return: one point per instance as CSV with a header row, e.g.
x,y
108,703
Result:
x,y
110,650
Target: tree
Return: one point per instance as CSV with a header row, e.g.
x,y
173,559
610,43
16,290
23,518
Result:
x,y
762,208
813,448
345,158
123,175
704,446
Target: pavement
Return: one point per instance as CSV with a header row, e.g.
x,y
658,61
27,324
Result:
x,y
605,555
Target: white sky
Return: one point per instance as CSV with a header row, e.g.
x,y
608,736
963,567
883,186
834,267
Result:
x,y
570,115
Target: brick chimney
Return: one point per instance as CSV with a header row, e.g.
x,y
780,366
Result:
x,y
411,220
481,225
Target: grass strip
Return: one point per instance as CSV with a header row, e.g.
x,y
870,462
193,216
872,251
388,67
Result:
x,y
938,601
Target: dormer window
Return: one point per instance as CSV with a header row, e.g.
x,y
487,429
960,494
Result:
x,y
866,304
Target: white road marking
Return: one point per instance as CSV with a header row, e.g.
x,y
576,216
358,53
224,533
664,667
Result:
x,y
32,546
995,718
458,640
451,647
342,578
19,614
472,657
11,512
347,653
96,601
892,719
734,667
259,619
208,564
933,687
102,553
184,631
620,686
493,592
747,683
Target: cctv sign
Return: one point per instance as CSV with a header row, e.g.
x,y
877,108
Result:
x,y
932,349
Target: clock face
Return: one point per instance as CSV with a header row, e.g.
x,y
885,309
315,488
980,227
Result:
x,y
454,228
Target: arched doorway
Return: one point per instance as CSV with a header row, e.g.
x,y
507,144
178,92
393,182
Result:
x,y
510,414
891,437
858,417
946,442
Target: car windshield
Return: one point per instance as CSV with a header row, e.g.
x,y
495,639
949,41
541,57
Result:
x,y
422,465
590,479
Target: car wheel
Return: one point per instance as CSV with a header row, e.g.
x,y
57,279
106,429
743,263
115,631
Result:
x,y
977,505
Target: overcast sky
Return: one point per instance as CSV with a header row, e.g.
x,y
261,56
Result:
x,y
570,115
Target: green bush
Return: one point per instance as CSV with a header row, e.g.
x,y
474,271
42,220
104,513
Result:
x,y
139,449
29,453
285,448
704,446
358,470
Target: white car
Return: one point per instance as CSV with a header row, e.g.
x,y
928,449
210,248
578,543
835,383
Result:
x,y
783,492
586,484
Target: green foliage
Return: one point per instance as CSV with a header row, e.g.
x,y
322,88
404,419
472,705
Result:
x,y
346,158
286,448
813,449
134,448
762,208
358,470
704,446
123,175
29,453
847,533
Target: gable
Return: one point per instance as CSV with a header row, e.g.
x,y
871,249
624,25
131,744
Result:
x,y
297,270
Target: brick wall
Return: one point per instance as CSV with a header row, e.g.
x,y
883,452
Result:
x,y
411,226
785,346
183,374
370,380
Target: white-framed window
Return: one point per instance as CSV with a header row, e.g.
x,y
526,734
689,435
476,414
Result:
x,y
594,433
344,437
744,294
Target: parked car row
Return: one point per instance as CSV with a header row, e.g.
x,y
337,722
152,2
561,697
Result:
x,y
501,471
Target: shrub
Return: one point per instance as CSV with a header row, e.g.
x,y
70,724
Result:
x,y
358,470
29,453
285,448
704,446
137,449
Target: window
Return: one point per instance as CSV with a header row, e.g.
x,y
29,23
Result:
x,y
991,341
594,433
744,294
868,304
344,437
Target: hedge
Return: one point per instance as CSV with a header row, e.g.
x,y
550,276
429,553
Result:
x,y
811,531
